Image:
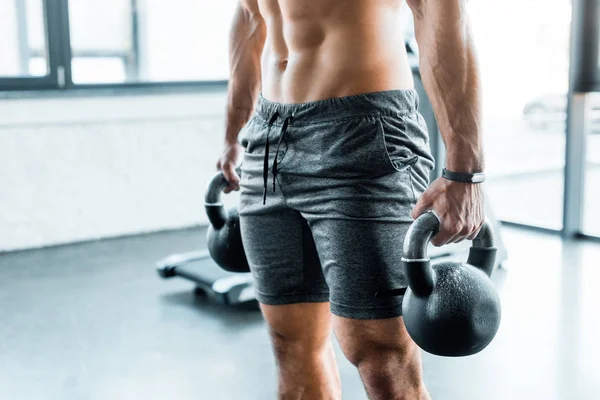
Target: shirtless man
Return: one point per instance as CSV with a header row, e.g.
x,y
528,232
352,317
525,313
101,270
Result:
x,y
335,161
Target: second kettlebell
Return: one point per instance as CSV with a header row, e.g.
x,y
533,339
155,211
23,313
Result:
x,y
224,238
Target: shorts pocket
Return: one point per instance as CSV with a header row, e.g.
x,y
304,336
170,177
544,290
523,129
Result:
x,y
253,163
406,142
251,134
396,149
251,179
395,143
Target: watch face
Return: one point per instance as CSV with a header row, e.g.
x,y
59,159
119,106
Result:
x,y
478,178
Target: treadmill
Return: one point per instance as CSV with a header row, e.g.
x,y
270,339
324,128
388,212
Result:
x,y
220,286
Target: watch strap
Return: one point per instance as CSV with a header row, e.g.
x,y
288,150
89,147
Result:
x,y
477,177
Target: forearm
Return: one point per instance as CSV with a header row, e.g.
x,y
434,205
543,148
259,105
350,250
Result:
x,y
246,42
450,76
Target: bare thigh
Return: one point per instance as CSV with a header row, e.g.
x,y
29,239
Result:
x,y
379,344
307,324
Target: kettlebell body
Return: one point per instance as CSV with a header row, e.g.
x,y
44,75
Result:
x,y
225,244
449,308
224,237
459,317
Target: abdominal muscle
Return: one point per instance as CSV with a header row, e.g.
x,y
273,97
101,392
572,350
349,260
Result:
x,y
319,49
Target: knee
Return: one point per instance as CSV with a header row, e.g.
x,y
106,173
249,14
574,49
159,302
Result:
x,y
385,367
365,347
283,345
301,331
389,372
286,345
368,355
388,361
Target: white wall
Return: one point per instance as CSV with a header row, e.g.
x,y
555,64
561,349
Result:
x,y
74,169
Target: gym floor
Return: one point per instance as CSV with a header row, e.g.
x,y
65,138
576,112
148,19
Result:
x,y
94,321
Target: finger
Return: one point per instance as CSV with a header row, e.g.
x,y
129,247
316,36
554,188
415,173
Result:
x,y
230,188
458,238
475,228
473,235
446,238
444,235
230,174
450,232
462,233
422,206
231,177
441,239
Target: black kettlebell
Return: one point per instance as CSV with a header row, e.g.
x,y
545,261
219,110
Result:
x,y
451,308
224,236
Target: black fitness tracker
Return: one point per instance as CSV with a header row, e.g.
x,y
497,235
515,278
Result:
x,y
464,177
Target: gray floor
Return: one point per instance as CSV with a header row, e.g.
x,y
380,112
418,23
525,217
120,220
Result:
x,y
93,321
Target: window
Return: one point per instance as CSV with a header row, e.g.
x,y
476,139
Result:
x,y
61,44
101,55
23,48
591,215
525,75
189,45
149,40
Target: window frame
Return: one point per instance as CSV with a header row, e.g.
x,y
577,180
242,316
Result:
x,y
59,79
585,46
53,31
584,79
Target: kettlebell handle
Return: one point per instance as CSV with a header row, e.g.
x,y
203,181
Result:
x,y
417,264
426,226
215,209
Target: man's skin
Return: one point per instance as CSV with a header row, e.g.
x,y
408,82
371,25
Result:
x,y
297,51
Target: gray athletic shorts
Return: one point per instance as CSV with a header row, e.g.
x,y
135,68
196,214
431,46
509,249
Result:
x,y
326,193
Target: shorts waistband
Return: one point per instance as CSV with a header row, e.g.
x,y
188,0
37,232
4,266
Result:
x,y
389,102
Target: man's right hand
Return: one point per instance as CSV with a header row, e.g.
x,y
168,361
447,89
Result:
x,y
227,163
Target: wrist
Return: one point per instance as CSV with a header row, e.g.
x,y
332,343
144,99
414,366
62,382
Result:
x,y
229,144
232,132
230,139
464,162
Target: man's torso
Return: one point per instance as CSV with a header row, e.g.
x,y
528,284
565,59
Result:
x,y
318,49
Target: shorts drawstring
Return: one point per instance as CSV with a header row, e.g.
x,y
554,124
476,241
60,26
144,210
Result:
x,y
266,160
284,128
